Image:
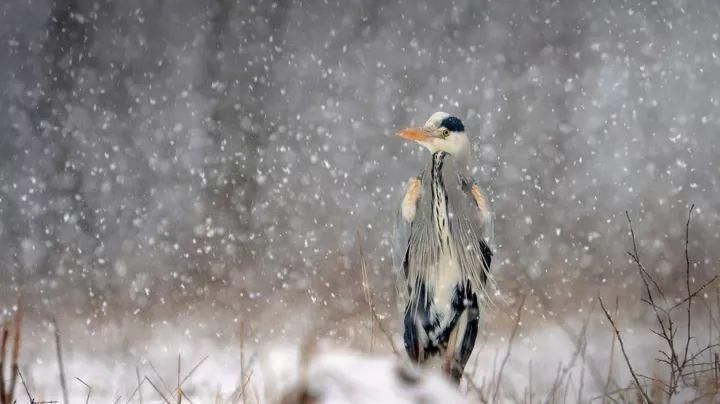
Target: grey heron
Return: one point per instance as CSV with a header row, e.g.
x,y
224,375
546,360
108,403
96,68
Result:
x,y
441,252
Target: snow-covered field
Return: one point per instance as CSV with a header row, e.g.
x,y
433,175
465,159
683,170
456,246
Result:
x,y
544,364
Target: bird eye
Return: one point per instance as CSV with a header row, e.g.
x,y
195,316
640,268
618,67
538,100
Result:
x,y
445,132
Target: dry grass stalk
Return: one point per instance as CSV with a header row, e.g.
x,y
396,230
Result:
x,y
87,386
530,383
367,293
498,382
242,363
27,391
240,392
7,390
61,367
15,368
177,394
582,371
192,371
157,390
369,300
137,388
168,391
139,384
3,349
478,390
177,389
562,377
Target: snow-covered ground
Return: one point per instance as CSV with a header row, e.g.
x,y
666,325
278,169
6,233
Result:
x,y
330,373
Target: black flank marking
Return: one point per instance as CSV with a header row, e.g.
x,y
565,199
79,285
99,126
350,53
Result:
x,y
410,337
487,258
406,261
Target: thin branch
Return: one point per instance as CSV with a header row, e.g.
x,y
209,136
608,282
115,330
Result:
x,y
687,284
612,357
622,348
695,293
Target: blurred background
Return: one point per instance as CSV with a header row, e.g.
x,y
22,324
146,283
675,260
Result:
x,y
229,157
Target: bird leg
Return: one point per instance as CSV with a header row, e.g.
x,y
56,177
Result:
x,y
449,364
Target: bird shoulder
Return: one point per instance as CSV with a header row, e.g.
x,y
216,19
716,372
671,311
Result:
x,y
480,201
409,202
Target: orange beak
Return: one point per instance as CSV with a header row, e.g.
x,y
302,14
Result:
x,y
416,134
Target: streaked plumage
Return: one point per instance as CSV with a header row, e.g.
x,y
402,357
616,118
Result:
x,y
441,254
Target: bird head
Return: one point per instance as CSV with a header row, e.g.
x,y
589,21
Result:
x,y
442,132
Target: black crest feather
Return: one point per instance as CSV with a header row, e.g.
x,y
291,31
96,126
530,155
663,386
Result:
x,y
453,124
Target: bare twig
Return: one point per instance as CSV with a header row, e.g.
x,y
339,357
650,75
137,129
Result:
x,y
664,320
687,285
695,293
612,357
622,348
509,348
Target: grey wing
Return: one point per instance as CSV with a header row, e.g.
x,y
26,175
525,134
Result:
x,y
401,240
475,234
481,206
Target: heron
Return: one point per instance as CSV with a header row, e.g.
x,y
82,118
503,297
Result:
x,y
441,252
